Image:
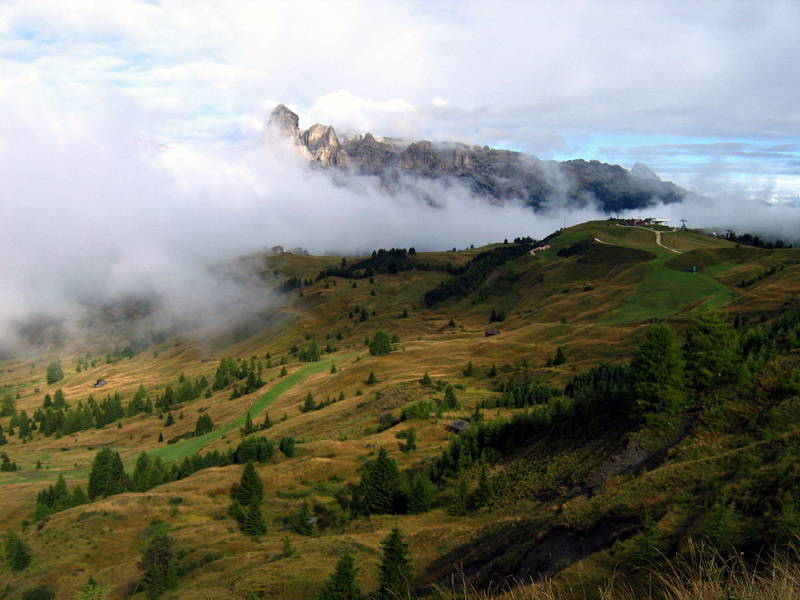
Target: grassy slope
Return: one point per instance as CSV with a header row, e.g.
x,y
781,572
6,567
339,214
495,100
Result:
x,y
592,309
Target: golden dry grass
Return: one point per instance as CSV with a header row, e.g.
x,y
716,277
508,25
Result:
x,y
106,538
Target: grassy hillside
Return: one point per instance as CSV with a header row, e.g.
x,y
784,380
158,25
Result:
x,y
586,484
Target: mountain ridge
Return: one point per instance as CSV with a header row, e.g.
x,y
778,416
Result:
x,y
497,175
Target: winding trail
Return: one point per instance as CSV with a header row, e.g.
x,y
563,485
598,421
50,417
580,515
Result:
x,y
658,239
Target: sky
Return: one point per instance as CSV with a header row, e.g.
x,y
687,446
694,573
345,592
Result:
x,y
131,137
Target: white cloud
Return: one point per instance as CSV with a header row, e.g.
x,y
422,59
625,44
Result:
x,y
89,212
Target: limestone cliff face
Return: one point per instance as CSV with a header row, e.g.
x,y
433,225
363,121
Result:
x,y
285,122
498,175
323,146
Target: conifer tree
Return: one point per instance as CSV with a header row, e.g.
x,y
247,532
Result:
x,y
17,554
372,379
79,497
248,425
254,523
379,484
342,583
656,373
3,439
303,523
287,445
170,420
159,566
709,350
450,401
92,590
381,344
309,404
107,475
204,425
483,493
284,372
419,498
287,551
411,440
267,422
426,379
395,576
54,372
251,487
8,406
559,358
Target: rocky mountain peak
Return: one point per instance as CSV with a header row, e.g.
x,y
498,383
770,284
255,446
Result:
x,y
497,175
284,121
643,171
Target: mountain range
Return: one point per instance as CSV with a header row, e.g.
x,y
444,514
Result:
x,y
498,175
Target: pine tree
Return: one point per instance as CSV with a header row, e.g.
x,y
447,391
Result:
x,y
450,401
248,425
559,358
342,583
287,551
309,405
204,425
8,406
379,484
107,475
159,566
656,373
267,422
709,350
645,548
420,495
372,379
287,445
381,344
411,440
170,420
79,497
303,522
254,523
54,372
469,371
17,553
284,372
333,369
484,493
395,576
92,590
426,379
251,487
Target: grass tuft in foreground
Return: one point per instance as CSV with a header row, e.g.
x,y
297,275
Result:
x,y
700,575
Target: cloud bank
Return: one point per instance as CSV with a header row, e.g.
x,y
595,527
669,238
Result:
x,y
130,154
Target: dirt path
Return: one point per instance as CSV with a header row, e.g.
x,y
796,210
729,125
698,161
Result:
x,y
658,240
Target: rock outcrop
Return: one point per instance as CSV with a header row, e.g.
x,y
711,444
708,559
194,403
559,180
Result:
x,y
498,175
